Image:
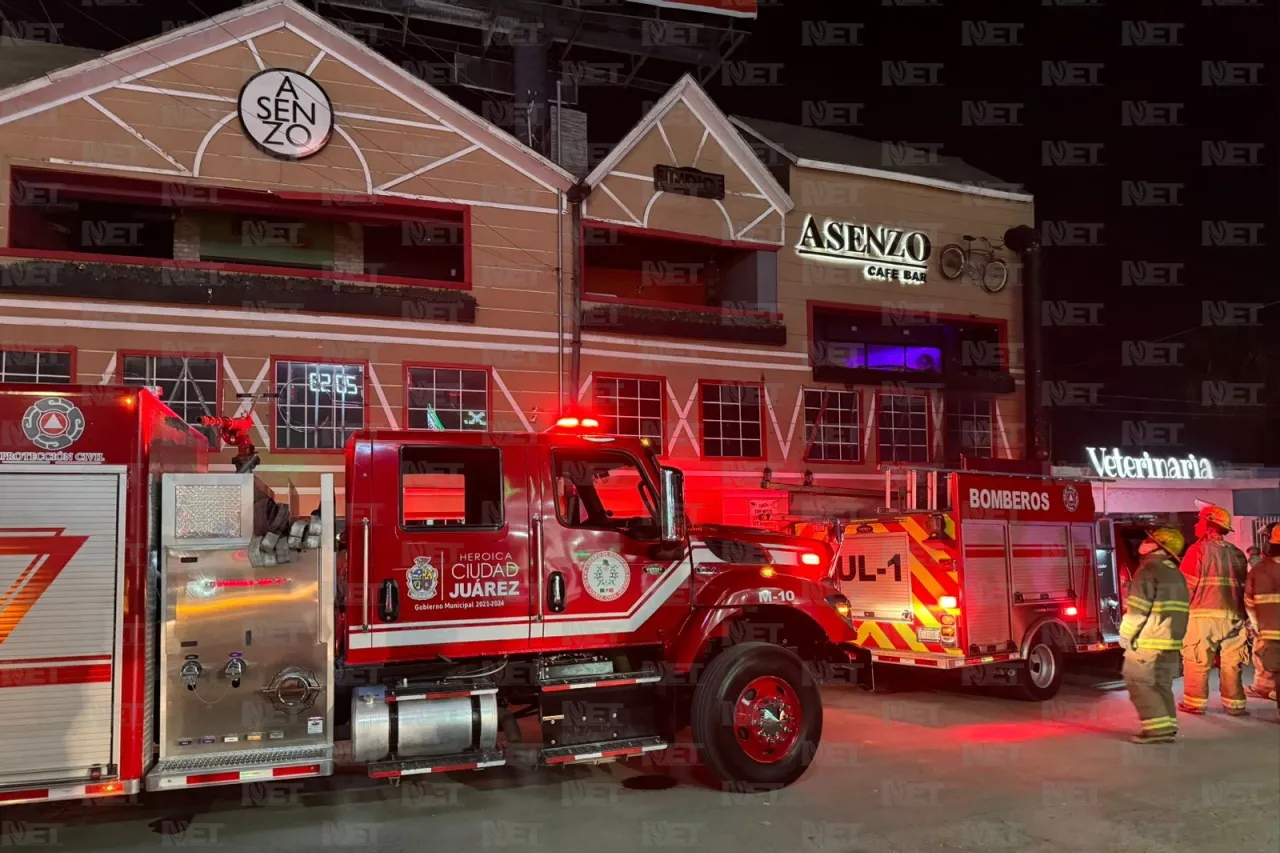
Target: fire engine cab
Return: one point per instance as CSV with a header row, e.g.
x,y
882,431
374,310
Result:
x,y
166,626
1004,572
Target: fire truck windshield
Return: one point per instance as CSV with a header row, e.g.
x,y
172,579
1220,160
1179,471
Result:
x,y
605,489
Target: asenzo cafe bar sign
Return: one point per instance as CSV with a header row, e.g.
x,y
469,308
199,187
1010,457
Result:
x,y
1148,467
885,254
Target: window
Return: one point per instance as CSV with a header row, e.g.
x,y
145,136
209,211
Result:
x,y
969,428
450,487
903,428
189,386
31,366
831,426
732,421
627,406
605,491
442,398
318,406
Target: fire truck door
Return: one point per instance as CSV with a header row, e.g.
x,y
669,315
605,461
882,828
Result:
x,y
61,569
449,557
1108,581
601,546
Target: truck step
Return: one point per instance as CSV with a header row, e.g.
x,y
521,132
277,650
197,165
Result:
x,y
440,691
609,750
229,768
479,760
612,679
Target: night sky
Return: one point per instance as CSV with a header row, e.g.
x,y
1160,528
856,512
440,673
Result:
x,y
1154,173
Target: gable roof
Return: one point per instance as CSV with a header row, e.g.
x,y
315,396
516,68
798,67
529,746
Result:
x,y
25,59
815,148
240,25
687,91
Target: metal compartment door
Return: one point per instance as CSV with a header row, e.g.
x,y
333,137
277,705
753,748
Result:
x,y
874,572
984,579
1041,565
60,566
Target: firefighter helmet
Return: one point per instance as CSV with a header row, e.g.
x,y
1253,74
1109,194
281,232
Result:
x,y
1170,539
1215,515
1274,538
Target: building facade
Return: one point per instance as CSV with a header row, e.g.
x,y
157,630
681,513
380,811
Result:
x,y
259,215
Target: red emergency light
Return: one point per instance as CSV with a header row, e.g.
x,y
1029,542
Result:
x,y
575,423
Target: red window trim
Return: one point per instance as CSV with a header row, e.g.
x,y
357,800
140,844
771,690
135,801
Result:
x,y
702,437
248,269
928,425
275,399
659,234
808,445
428,365
71,351
217,357
363,209
666,235
662,396
999,323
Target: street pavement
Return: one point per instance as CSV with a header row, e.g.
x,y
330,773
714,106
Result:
x,y
922,767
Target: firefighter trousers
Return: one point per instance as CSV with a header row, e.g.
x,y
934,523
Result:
x,y
1149,675
1264,682
1208,638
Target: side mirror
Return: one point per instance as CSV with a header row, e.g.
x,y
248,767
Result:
x,y
672,522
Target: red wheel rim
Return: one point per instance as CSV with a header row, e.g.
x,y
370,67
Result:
x,y
766,719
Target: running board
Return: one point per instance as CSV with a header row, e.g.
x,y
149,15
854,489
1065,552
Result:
x,y
199,771
478,760
612,679
609,750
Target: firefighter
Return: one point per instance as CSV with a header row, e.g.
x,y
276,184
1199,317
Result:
x,y
1262,601
1215,571
1151,633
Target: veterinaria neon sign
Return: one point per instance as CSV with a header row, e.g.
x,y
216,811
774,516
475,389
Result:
x,y
1148,467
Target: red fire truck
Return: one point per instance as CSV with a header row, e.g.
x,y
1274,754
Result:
x,y
170,627
1008,573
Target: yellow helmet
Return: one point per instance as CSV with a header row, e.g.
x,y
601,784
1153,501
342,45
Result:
x,y
1168,538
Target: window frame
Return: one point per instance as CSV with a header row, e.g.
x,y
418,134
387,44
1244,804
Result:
x,y
808,446
71,352
947,415
662,399
275,401
450,528
702,427
928,427
217,357
604,451
427,365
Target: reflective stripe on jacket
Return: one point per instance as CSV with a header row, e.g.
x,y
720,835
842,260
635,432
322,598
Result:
x,y
1158,606
1215,571
1262,598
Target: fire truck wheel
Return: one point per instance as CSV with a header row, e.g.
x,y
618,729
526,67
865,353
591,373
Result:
x,y
1041,676
757,715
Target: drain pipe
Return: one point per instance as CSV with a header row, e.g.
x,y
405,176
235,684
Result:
x,y
1024,240
577,193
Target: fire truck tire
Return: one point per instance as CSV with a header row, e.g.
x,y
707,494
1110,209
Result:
x,y
757,715
1042,671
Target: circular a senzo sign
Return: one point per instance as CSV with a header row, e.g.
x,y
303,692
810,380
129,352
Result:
x,y
286,113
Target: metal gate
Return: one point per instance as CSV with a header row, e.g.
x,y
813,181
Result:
x,y
61,564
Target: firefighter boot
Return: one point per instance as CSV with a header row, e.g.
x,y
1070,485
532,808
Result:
x,y
1264,683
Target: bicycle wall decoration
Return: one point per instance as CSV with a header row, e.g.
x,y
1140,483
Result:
x,y
977,264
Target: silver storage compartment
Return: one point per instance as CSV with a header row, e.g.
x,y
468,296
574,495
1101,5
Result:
x,y
246,652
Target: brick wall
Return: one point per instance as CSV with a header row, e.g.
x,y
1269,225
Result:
x,y
348,248
186,239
